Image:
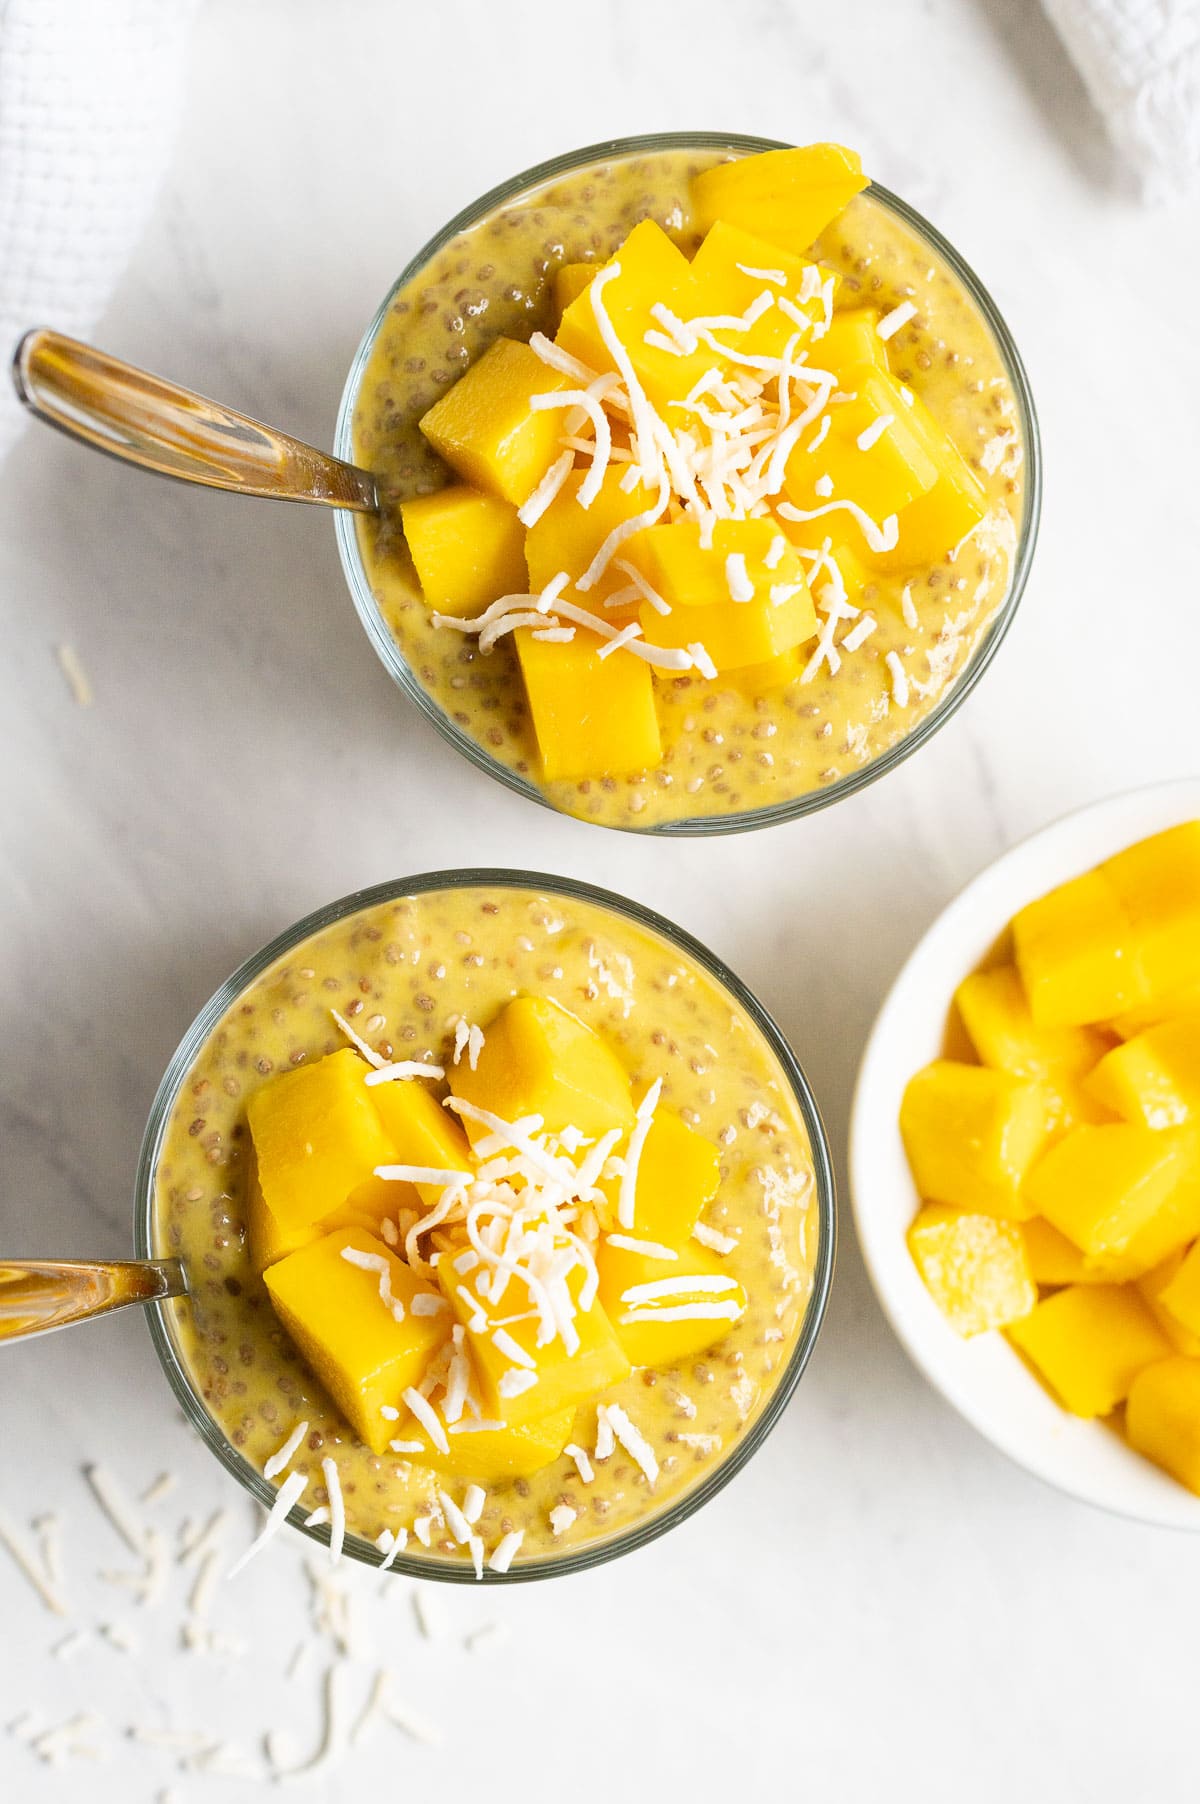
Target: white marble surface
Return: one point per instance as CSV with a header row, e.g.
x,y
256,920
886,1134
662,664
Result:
x,y
880,1605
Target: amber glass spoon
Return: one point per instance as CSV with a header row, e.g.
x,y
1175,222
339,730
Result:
x,y
159,426
39,1294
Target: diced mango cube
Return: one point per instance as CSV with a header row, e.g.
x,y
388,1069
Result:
x,y
1170,1228
539,1059
268,1242
592,716
489,1456
995,1013
851,341
468,548
1181,1293
1088,1344
1155,1077
971,1136
1076,954
422,1133
346,1332
570,280
561,1380
872,453
787,197
567,538
726,288
698,582
1100,1185
485,428
653,272
1152,1286
1158,882
678,1173
689,574
1162,1420
974,1267
662,1329
770,675
1169,1007
935,524
1053,1259
316,1136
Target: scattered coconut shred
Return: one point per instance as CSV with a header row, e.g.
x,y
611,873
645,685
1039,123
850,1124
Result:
x,y
180,1579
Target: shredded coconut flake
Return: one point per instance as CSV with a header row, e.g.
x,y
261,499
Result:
x,y
632,1439
368,1052
891,322
288,1494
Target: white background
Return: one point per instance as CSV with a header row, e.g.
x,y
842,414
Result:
x,y
881,1605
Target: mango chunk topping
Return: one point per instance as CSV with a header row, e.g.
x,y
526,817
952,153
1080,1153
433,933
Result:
x,y
365,1352
316,1137
975,1267
485,428
787,197
1088,1343
539,1059
1162,1418
468,548
971,1136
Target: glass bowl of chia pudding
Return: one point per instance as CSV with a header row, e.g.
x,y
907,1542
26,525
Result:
x,y
732,759
404,965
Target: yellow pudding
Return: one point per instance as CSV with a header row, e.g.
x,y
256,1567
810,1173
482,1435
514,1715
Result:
x,y
735,647
1060,1173
508,1202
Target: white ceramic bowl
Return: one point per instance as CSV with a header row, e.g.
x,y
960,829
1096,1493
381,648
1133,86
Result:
x,y
983,1378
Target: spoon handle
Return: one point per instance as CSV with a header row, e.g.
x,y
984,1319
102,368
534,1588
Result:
x,y
39,1294
145,420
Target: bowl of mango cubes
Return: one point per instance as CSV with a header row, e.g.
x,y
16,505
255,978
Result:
x,y
1025,1154
709,481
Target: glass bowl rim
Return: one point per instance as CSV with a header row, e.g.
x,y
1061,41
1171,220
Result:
x,y
792,808
182,1060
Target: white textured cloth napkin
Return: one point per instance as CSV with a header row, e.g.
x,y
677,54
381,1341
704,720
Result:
x,y
1140,60
89,96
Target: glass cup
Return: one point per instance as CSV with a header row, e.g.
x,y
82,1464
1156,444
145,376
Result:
x,y
163,1315
385,642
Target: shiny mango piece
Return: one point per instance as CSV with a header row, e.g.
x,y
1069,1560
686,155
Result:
x,y
1001,1028
828,539
881,467
1100,1185
971,1136
1155,1077
491,1456
975,1267
570,280
1158,883
1088,1343
851,342
316,1136
347,1334
592,716
653,271
663,1331
678,1174
485,428
696,583
1152,1285
567,538
1162,1419
267,1242
1171,1006
468,548
562,1380
1172,1227
1053,1259
771,675
1076,954
727,287
687,574
1181,1293
787,197
930,528
539,1059
995,1012
422,1132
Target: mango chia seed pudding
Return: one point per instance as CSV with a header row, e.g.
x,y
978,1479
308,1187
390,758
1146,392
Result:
x,y
703,482
502,1225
